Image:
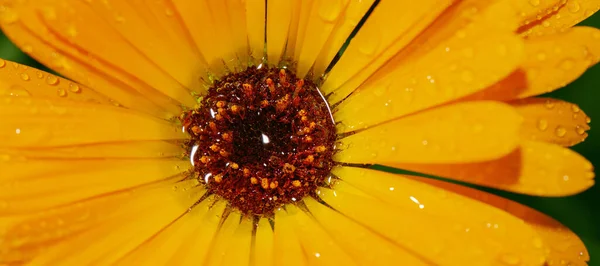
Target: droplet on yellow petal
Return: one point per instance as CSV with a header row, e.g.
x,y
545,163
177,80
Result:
x,y
349,20
365,246
565,248
170,240
321,22
33,122
121,150
319,247
461,132
262,252
279,16
410,224
96,224
44,85
562,16
286,246
151,64
457,67
536,168
377,41
229,246
255,23
197,245
452,25
553,121
57,54
35,185
551,62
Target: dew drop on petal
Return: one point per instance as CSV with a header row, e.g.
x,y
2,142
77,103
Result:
x,y
25,77
534,2
52,80
560,131
73,87
61,92
17,91
542,124
510,259
2,63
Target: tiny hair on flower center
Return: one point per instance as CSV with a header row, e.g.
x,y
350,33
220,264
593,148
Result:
x,y
260,139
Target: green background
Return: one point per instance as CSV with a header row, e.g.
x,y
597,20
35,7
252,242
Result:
x,y
577,212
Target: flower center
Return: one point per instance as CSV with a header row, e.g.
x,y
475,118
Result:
x,y
261,138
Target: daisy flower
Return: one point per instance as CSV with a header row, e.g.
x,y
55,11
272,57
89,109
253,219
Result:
x,y
242,132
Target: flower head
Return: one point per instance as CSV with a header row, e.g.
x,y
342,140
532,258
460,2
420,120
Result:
x,y
241,132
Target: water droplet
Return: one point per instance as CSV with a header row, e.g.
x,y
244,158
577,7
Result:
x,y
537,242
541,56
169,12
580,130
467,76
542,124
575,108
573,6
52,80
510,259
329,11
73,87
534,2
567,64
61,92
9,17
40,74
549,104
17,91
25,77
560,131
2,63
372,45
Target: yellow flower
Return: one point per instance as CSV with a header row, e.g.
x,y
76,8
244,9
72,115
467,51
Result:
x,y
92,172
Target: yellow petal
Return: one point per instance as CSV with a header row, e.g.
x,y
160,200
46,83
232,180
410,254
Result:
x,y
531,11
279,17
321,22
319,247
286,245
462,132
564,246
226,239
536,168
122,230
255,24
458,67
33,122
347,23
563,16
262,252
486,17
377,41
28,31
551,62
169,241
34,185
52,235
237,253
110,36
198,244
121,150
409,214
22,81
365,246
552,120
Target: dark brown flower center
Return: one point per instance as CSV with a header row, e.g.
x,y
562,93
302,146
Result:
x,y
261,138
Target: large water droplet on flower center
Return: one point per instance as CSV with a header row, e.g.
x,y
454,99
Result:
x,y
261,138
